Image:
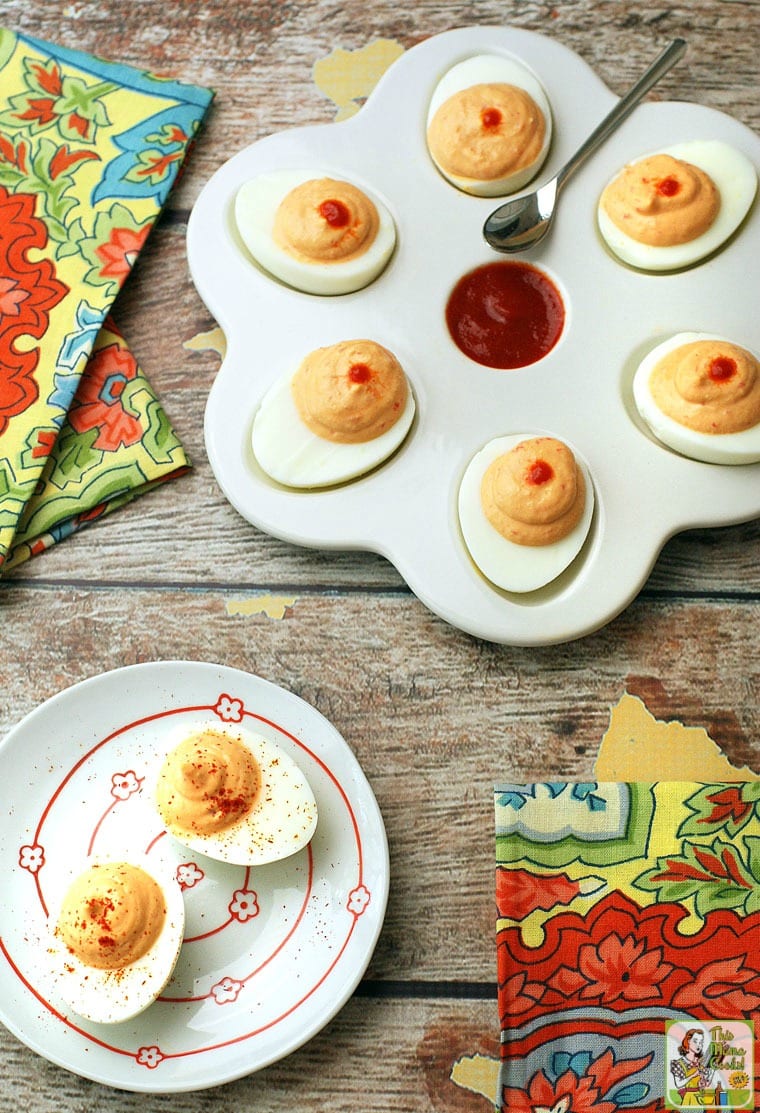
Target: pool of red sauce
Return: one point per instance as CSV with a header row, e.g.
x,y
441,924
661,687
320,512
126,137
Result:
x,y
505,314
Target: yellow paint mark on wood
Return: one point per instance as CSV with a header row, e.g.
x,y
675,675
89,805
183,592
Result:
x,y
479,1074
638,747
212,341
273,606
347,77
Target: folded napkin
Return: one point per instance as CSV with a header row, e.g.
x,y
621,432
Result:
x,y
89,151
628,945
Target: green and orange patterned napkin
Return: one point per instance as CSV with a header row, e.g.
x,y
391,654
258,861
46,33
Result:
x,y
89,151
628,945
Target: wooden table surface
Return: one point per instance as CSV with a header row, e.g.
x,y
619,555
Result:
x,y
433,715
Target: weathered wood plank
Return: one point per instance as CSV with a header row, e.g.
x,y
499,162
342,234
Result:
x,y
262,53
377,1055
259,56
434,716
189,520
194,537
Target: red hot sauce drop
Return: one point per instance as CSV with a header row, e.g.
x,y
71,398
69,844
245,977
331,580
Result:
x,y
359,373
490,117
668,187
539,472
334,213
722,368
505,315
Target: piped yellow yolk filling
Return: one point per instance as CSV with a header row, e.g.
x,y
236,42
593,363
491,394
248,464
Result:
x,y
350,392
207,783
709,386
535,493
486,132
662,201
325,221
112,915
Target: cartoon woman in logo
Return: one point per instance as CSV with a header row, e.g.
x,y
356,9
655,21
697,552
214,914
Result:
x,y
692,1076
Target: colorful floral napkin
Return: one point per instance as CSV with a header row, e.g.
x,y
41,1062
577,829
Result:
x,y
89,150
628,945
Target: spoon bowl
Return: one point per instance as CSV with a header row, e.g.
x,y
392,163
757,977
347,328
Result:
x,y
523,222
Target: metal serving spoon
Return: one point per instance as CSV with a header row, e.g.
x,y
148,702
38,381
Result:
x,y
524,221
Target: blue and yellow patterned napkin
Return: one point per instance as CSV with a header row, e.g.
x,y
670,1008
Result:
x,y
89,151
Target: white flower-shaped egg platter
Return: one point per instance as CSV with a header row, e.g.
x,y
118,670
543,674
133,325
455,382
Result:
x,y
406,509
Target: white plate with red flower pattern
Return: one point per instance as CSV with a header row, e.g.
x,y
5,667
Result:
x,y
270,954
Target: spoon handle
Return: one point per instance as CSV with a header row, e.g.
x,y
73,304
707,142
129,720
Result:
x,y
624,106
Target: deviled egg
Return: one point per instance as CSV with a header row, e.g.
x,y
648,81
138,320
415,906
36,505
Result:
x,y
115,940
344,410
673,207
316,233
235,796
489,125
699,393
525,508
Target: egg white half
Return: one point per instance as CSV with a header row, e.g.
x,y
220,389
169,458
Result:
x,y
486,69
735,179
113,996
256,204
711,448
281,822
512,567
288,451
